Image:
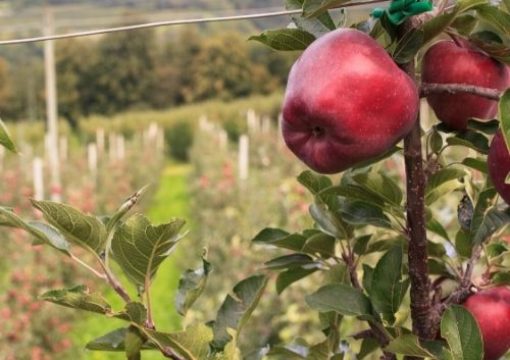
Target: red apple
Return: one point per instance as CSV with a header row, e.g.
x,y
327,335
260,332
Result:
x,y
449,62
491,309
499,165
346,102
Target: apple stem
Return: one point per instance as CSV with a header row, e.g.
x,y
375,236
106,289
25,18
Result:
x,y
424,323
431,88
455,39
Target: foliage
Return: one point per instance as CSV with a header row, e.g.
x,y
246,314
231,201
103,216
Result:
x,y
179,139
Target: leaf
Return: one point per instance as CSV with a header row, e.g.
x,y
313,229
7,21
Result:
x,y
78,297
289,261
136,312
140,248
237,308
494,49
408,46
381,185
409,345
437,228
493,221
497,18
477,164
387,289
327,221
485,200
318,26
443,182
465,24
285,39
124,209
5,138
434,27
191,344
191,286
133,343
362,213
460,330
313,182
45,234
80,229
504,112
340,298
470,139
313,8
280,238
113,341
287,278
321,244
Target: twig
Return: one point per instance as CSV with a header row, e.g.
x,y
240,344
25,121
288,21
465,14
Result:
x,y
431,88
88,267
114,283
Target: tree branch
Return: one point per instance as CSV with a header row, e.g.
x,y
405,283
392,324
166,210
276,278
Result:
x,y
421,304
429,88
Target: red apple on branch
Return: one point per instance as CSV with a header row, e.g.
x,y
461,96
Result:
x,y
346,102
491,309
499,165
459,62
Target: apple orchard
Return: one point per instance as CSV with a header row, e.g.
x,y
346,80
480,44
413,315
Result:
x,y
392,279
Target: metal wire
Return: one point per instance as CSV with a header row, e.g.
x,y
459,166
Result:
x,y
172,23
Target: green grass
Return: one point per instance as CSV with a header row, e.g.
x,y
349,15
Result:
x,y
170,200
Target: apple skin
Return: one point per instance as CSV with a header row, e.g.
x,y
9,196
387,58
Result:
x,y
346,102
491,309
448,62
499,165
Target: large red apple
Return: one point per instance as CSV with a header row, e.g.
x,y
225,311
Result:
x,y
491,309
346,102
449,62
499,165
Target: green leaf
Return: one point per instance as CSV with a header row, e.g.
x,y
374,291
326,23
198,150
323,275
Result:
x,y
5,138
113,341
313,182
313,8
287,278
133,342
321,244
504,112
436,141
437,25
437,228
361,244
381,185
78,297
368,275
497,18
409,345
368,346
136,313
191,286
318,26
465,24
443,182
460,330
191,344
280,238
362,213
327,221
387,290
470,139
496,50
408,46
485,200
493,221
340,298
289,261
237,308
124,209
285,39
45,234
477,164
140,248
80,229
463,244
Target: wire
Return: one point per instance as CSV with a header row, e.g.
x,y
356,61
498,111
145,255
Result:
x,y
172,23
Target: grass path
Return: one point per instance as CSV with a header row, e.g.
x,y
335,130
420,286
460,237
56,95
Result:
x,y
171,200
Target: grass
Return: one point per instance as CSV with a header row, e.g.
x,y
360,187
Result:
x,y
171,200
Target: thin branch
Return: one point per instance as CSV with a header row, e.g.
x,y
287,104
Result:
x,y
431,88
88,267
176,22
114,283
